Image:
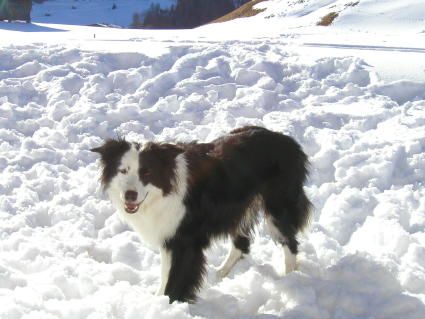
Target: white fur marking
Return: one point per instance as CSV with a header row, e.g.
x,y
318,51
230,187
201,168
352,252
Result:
x,y
165,270
158,216
290,260
250,217
128,181
232,258
273,230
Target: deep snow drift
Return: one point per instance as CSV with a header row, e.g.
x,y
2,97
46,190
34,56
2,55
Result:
x,y
65,254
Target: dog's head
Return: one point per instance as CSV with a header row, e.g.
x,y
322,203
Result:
x,y
134,176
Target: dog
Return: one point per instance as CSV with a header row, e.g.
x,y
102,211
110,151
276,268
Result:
x,y
180,197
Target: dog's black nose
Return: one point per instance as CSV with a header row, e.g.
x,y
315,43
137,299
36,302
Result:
x,y
130,196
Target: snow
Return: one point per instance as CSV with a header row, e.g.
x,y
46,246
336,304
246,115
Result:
x,y
352,95
371,15
86,12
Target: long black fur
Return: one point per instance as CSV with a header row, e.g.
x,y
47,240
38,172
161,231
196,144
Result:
x,y
225,178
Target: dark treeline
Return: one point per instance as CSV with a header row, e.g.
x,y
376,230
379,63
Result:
x,y
11,10
185,14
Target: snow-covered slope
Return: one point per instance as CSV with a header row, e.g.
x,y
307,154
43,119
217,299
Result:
x,y
377,15
86,12
65,254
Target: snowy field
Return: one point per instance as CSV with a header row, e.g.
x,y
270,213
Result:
x,y
353,97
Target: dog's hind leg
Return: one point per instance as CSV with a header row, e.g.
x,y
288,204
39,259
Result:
x,y
290,244
239,247
241,238
287,211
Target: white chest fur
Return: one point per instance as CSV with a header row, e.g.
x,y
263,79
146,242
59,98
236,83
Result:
x,y
159,216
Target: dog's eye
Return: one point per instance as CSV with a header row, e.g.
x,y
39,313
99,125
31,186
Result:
x,y
145,172
123,171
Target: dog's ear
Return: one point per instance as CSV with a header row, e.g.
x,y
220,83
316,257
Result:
x,y
103,149
97,150
111,146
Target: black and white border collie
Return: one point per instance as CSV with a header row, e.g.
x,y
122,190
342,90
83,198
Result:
x,y
179,197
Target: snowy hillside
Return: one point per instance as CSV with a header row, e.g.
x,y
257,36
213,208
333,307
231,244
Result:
x,y
86,12
352,94
389,15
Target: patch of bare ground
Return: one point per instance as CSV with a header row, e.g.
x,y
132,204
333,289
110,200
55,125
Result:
x,y
352,4
328,19
247,10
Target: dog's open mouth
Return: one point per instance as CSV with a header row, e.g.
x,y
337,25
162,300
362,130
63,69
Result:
x,y
131,207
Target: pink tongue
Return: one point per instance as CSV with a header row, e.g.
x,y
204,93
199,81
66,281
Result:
x,y
131,206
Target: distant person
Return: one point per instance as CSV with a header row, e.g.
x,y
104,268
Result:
x,y
15,10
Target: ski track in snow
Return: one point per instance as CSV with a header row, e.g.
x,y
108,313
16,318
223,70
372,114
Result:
x,y
65,254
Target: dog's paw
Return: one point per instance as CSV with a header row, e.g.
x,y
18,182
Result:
x,y
160,291
291,266
221,272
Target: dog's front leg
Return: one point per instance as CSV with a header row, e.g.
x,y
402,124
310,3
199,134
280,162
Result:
x,y
186,272
165,269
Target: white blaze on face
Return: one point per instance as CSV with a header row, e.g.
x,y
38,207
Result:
x,y
127,180
157,217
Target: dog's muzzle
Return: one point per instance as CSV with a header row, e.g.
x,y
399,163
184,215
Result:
x,y
131,207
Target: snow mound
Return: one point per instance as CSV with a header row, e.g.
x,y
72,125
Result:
x,y
65,254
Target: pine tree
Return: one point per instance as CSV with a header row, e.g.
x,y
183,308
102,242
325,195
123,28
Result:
x,y
188,13
137,21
